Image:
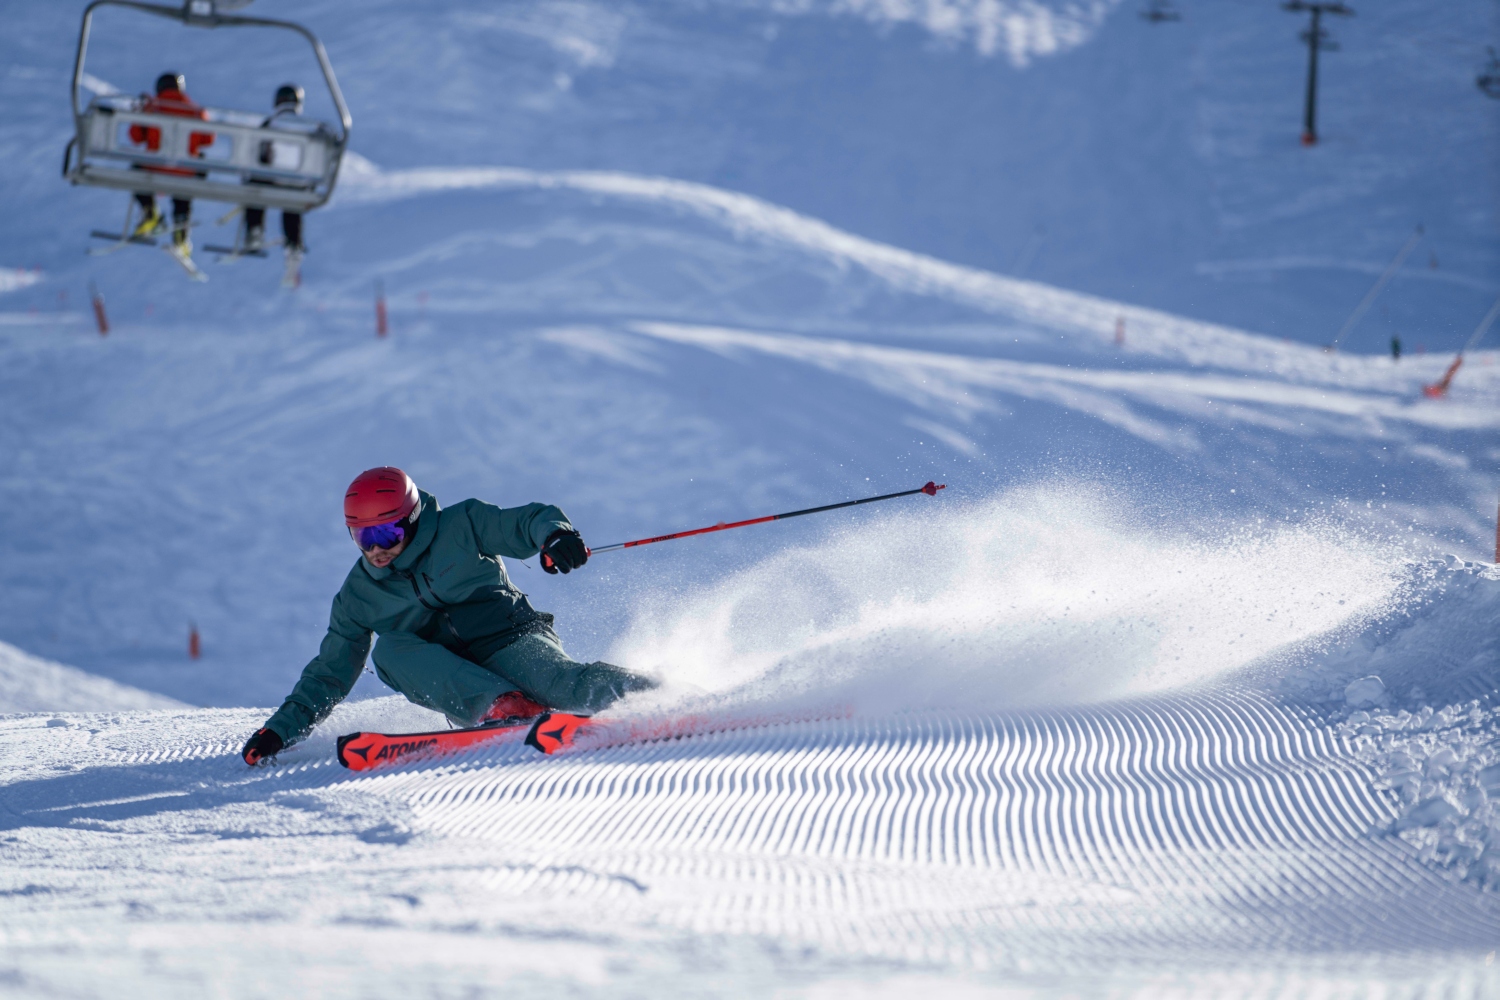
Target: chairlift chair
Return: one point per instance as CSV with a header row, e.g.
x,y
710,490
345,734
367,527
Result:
x,y
1160,10
295,163
1488,79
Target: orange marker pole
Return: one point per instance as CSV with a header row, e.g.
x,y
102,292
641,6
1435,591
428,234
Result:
x,y
100,317
380,321
1439,388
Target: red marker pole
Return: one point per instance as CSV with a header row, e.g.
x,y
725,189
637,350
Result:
x,y
1439,389
930,489
380,318
101,319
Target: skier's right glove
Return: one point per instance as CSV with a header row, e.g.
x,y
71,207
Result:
x,y
265,743
564,550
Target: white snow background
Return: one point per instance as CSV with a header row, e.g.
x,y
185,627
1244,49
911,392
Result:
x,y
1183,687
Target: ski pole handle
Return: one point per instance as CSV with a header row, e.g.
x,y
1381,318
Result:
x,y
547,562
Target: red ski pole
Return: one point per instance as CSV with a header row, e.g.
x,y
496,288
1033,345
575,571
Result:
x,y
930,489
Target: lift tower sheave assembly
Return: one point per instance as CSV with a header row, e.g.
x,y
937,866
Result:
x,y
1317,39
293,164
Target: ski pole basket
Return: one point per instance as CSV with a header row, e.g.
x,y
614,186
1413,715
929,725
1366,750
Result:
x,y
291,163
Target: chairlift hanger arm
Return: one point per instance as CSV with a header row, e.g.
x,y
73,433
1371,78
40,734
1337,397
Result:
x,y
212,19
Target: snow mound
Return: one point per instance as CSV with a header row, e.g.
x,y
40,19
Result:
x,y
31,684
1020,29
15,278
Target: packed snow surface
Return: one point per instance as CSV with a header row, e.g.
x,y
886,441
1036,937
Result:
x,y
1184,686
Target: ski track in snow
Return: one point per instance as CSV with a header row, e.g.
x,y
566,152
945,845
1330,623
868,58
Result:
x,y
1224,830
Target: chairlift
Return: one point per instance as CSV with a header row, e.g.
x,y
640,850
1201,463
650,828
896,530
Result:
x,y
1158,11
1488,79
293,162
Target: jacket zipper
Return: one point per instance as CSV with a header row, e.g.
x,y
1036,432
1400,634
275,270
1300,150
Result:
x,y
439,608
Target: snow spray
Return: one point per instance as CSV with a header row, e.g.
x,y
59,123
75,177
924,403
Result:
x,y
1040,597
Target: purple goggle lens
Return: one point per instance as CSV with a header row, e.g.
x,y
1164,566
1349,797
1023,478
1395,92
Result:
x,y
379,536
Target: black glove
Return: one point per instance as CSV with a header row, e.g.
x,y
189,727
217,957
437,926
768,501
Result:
x,y
564,550
265,743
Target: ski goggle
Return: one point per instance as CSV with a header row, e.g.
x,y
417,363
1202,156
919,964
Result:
x,y
378,536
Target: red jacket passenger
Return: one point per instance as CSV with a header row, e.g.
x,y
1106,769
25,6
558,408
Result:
x,y
171,102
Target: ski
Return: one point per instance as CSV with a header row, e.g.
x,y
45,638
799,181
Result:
x,y
185,259
118,242
227,254
366,751
291,277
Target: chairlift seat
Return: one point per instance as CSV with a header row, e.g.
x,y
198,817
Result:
x,y
291,162
288,163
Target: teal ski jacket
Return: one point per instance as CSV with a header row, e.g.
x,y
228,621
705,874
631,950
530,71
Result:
x,y
447,586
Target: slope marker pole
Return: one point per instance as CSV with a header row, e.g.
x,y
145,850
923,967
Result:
x,y
101,319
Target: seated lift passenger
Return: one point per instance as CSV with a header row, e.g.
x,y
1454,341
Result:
x,y
171,99
288,104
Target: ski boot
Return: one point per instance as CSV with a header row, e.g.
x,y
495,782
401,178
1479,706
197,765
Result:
x,y
255,239
510,708
151,225
181,250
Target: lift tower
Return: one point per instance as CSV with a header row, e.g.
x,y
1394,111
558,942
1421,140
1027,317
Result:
x,y
1316,39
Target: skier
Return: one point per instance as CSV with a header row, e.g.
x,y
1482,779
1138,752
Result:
x,y
455,634
171,99
288,104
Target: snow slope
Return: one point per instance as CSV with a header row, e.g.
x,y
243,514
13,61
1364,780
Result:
x,y
31,684
1097,719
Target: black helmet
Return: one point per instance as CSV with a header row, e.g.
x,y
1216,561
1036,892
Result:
x,y
289,95
171,81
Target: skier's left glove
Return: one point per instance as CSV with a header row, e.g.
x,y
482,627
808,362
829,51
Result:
x,y
265,743
564,550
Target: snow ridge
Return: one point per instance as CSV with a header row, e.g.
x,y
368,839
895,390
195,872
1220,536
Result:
x,y
1020,29
1157,333
31,684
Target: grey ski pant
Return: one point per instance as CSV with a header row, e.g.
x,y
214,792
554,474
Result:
x,y
435,677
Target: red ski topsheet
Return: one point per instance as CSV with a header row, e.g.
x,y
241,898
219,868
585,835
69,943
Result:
x,y
558,731
366,751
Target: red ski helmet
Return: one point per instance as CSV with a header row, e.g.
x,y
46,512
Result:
x,y
380,496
